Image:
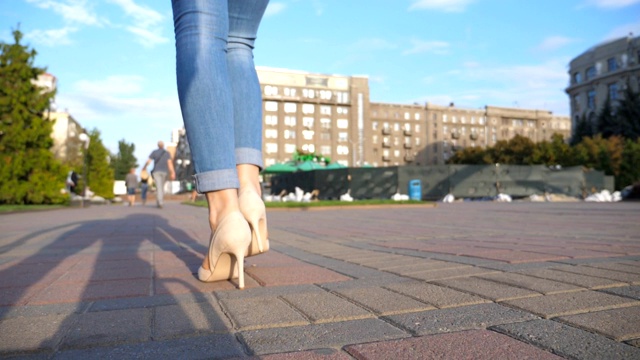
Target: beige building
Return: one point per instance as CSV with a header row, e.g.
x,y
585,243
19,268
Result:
x,y
67,146
600,72
332,115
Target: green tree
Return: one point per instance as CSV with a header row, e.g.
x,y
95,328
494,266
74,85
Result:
x,y
630,164
99,172
583,129
608,123
629,113
122,162
29,173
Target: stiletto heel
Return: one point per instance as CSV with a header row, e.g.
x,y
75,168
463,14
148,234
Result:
x,y
232,237
254,211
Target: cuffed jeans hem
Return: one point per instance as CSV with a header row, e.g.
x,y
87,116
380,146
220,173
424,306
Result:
x,y
249,156
217,180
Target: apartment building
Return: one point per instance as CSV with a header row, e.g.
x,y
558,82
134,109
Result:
x,y
600,72
332,115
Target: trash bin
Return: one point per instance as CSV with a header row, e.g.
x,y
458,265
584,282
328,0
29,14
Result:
x,y
415,189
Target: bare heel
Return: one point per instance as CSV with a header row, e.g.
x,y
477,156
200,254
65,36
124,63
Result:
x,y
254,211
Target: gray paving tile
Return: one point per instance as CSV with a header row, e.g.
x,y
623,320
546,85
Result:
x,y
585,281
216,346
550,306
109,328
633,279
542,286
487,289
438,296
41,333
618,324
322,307
382,301
626,291
617,266
331,335
9,312
442,274
260,313
423,265
568,341
188,319
457,319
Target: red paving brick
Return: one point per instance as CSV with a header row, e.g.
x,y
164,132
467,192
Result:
x,y
477,344
75,292
293,275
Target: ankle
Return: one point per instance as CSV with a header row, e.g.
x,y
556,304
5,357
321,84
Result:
x,y
221,203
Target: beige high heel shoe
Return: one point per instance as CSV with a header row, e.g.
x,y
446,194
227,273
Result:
x,y
227,250
252,207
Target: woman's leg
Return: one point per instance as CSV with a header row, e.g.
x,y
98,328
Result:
x,y
201,30
244,20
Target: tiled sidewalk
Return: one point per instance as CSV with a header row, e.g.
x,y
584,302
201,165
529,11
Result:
x,y
463,280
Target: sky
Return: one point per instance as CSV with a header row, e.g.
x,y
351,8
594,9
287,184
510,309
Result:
x,y
115,59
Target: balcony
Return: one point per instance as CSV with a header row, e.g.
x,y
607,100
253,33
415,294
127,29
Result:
x,y
409,158
408,132
386,158
386,144
386,131
455,135
473,136
408,145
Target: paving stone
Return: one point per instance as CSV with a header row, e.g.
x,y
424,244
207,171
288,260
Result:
x,y
550,306
475,344
382,301
624,267
630,278
71,292
9,312
568,341
513,257
189,319
317,354
260,313
487,289
585,281
456,319
32,333
424,265
292,275
438,296
618,324
216,346
542,286
315,336
321,307
635,343
109,328
626,291
441,274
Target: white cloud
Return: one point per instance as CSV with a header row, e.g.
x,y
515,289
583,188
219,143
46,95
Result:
x,y
72,11
274,8
441,5
612,4
623,30
146,22
554,42
434,47
53,37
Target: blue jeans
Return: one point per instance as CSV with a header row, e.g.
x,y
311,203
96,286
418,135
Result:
x,y
218,87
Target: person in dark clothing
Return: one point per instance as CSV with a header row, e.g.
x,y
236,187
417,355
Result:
x,y
162,167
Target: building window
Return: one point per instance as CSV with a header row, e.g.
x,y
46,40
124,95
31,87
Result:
x,y
308,93
343,137
591,100
289,134
444,118
271,148
463,120
612,64
342,110
577,77
290,120
343,97
417,141
613,91
417,129
407,116
308,108
270,90
342,123
342,150
309,147
454,120
271,133
325,94
271,106
308,134
307,122
325,110
289,148
290,107
325,135
325,150
416,116
271,120
591,72
289,92
374,125
325,123
396,127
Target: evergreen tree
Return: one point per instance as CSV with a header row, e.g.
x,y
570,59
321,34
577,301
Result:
x,y
607,123
124,160
629,113
99,172
583,129
29,173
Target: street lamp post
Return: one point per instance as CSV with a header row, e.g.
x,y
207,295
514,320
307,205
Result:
x,y
85,139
